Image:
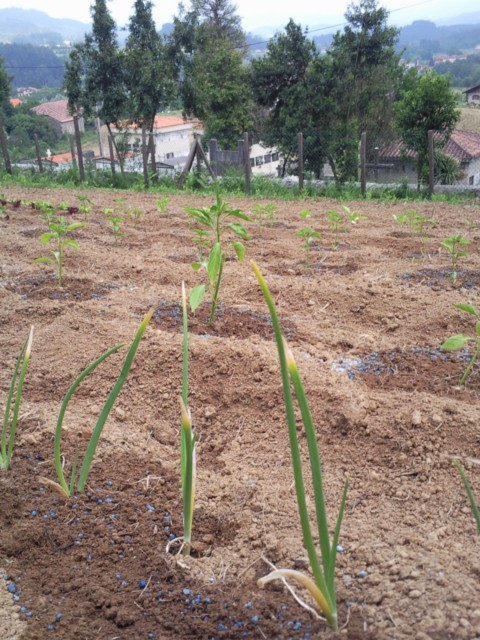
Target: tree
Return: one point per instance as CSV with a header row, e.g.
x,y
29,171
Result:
x,y
426,103
212,76
149,79
4,84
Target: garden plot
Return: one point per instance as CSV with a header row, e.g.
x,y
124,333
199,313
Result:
x,y
365,320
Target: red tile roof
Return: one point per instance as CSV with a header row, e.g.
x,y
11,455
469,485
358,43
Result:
x,y
59,158
56,110
462,145
16,102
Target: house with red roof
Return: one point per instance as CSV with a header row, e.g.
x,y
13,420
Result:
x,y
473,94
173,137
462,146
57,113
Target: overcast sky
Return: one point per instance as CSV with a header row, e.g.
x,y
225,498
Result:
x,y
259,13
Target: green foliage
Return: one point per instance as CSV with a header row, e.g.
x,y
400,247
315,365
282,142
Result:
x,y
4,84
452,245
162,204
468,489
212,225
10,418
337,221
35,66
58,232
308,236
268,210
135,214
415,221
426,103
68,490
322,586
458,341
116,224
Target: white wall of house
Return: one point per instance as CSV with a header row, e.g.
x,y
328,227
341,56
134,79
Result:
x,y
264,160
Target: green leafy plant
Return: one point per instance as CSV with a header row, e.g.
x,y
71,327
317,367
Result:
x,y
352,216
452,245
322,586
3,212
48,210
458,341
85,205
337,221
214,223
305,213
308,236
58,232
188,454
162,204
415,221
468,489
116,224
10,417
268,210
135,214
61,486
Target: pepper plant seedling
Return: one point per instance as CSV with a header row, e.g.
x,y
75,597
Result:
x,y
162,204
452,245
10,418
116,224
85,205
322,585
458,341
58,231
61,486
214,224
308,236
135,214
268,210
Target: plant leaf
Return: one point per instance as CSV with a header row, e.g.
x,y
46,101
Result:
x,y
239,250
71,243
75,225
43,259
46,237
239,230
214,262
455,342
196,297
468,308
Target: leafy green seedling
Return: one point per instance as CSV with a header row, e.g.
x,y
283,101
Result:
x,y
213,222
85,205
3,212
336,224
452,245
61,486
415,221
64,206
162,204
47,209
135,214
308,236
322,585
458,341
58,231
352,216
268,211
188,455
10,419
305,213
116,224
468,489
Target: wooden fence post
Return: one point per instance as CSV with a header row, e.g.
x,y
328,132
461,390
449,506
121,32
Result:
x,y
300,160
98,126
112,156
72,150
3,143
213,153
145,157
37,151
363,162
431,163
246,160
78,141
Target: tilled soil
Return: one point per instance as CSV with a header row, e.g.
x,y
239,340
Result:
x,y
365,322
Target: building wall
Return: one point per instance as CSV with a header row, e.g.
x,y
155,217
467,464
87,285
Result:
x,y
474,97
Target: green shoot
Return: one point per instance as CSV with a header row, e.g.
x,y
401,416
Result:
x,y
187,442
415,221
458,341
452,245
268,211
85,205
213,225
352,216
468,489
336,224
3,212
58,231
308,236
135,214
68,490
162,204
47,209
305,213
322,586
10,419
64,206
116,224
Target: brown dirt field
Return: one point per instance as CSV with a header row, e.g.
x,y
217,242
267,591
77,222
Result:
x,y
365,323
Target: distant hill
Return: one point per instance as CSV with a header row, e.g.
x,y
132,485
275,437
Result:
x,y
464,18
36,27
30,66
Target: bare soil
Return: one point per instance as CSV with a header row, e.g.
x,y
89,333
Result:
x,y
365,322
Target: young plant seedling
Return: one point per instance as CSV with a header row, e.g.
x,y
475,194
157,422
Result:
x,y
308,236
85,205
268,211
468,489
162,204
135,214
458,341
116,224
61,486
336,224
3,212
415,221
322,585
452,245
305,213
188,454
352,216
48,210
10,419
58,231
214,224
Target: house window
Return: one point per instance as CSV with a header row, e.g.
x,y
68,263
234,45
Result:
x,y
169,156
274,157
470,179
252,162
268,158
259,161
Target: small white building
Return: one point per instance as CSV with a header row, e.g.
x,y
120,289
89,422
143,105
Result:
x,y
473,95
